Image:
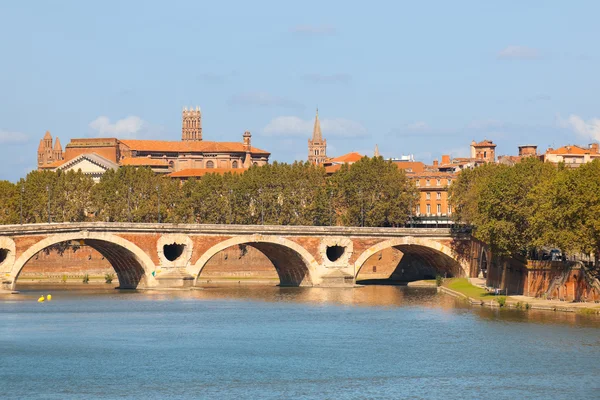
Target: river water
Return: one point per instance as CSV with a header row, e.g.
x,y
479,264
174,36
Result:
x,y
376,342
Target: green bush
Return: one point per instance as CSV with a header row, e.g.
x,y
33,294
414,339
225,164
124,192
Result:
x,y
501,300
64,279
519,305
108,278
527,306
438,280
86,278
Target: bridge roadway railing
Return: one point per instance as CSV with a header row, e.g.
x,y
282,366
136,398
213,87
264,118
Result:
x,y
228,229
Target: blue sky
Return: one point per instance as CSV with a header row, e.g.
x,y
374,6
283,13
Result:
x,y
418,77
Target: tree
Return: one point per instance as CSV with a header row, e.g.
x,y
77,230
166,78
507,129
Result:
x,y
373,192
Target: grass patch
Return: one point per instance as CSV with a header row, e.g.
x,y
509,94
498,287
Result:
x,y
588,311
462,285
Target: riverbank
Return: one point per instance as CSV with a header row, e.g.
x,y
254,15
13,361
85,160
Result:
x,y
475,295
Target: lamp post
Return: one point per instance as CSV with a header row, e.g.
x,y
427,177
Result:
x,y
230,207
48,192
158,194
331,210
262,207
21,215
128,204
362,209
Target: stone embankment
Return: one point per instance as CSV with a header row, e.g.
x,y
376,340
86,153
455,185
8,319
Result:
x,y
521,302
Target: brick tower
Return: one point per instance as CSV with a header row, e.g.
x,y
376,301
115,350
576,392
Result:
x,y
317,146
47,154
191,124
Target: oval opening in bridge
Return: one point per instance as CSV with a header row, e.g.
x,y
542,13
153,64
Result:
x,y
3,255
173,251
335,252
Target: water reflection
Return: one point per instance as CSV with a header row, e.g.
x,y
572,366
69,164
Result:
x,y
367,296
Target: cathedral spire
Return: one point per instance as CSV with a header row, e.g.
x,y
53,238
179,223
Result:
x,y
317,136
376,153
317,146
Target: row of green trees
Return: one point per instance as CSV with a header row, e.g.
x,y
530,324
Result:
x,y
532,204
371,192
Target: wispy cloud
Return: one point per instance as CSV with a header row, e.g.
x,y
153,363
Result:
x,y
485,124
326,79
263,99
308,29
417,126
589,129
519,53
7,137
332,127
539,98
126,128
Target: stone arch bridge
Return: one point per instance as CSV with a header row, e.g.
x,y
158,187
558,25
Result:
x,y
173,255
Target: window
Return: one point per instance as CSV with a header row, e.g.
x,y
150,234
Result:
x,y
428,209
427,196
439,195
449,181
418,182
418,209
427,182
439,209
234,164
439,182
210,164
449,210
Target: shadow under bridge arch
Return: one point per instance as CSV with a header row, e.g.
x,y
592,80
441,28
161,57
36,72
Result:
x,y
295,266
132,265
421,258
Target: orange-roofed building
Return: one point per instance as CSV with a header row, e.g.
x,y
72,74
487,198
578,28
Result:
x,y
333,165
572,155
165,157
485,150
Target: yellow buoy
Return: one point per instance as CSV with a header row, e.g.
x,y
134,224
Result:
x,y
41,299
49,297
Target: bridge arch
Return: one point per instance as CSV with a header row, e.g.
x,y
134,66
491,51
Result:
x,y
132,265
429,251
294,264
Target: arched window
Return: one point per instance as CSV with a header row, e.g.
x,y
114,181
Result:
x,y
234,164
255,164
210,164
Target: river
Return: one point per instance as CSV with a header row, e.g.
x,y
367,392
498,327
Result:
x,y
375,342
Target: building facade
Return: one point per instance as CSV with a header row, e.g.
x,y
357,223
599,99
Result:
x,y
192,156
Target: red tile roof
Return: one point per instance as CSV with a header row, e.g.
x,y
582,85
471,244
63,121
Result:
x,y
485,143
573,150
189,147
55,164
346,158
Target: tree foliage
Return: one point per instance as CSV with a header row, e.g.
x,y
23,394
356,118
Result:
x,y
371,192
531,204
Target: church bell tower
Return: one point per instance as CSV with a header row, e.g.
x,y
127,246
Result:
x,y
317,146
191,124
